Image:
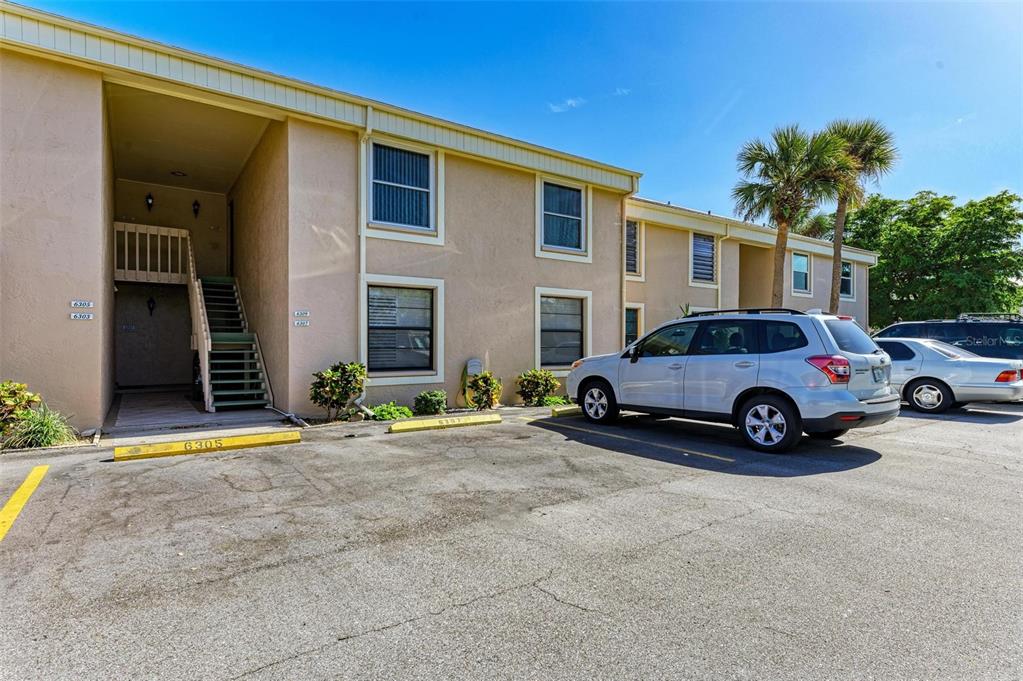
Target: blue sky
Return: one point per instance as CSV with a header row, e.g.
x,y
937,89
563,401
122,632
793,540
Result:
x,y
671,90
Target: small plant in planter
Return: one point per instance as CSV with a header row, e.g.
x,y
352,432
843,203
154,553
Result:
x,y
536,385
334,388
486,391
390,411
430,402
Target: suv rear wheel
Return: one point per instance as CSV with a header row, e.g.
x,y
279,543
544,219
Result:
x,y
769,423
598,401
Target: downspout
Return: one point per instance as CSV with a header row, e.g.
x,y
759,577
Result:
x,y
621,269
721,283
363,222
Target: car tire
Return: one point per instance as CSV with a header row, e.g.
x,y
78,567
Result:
x,y
929,396
759,421
598,402
828,434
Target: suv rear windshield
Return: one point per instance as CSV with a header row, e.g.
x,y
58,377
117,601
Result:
x,y
850,337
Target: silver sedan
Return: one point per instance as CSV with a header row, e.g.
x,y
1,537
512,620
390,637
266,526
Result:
x,y
933,376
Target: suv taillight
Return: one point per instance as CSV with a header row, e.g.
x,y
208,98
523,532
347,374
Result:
x,y
835,367
1009,376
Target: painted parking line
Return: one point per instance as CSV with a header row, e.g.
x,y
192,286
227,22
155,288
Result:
x,y
600,433
9,513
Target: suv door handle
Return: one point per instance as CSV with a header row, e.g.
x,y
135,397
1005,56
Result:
x,y
675,367
745,364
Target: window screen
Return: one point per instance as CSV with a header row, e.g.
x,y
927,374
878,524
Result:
x,y
703,257
562,216
845,287
400,328
632,247
631,325
800,272
561,331
401,187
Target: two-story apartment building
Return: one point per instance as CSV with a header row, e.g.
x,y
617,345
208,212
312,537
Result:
x,y
165,215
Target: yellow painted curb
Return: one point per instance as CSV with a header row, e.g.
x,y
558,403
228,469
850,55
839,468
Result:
x,y
412,426
567,410
212,444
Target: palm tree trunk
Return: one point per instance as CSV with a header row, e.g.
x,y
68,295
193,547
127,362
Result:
x,y
836,258
781,243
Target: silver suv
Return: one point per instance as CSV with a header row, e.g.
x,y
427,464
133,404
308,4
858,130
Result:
x,y
772,373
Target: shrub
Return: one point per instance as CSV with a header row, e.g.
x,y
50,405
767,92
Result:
x,y
334,388
535,385
15,404
430,402
486,391
552,401
39,427
389,411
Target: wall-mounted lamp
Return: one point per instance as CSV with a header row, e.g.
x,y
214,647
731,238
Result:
x,y
149,201
151,304
195,208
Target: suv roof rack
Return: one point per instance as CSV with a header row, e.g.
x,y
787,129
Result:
x,y
990,317
747,310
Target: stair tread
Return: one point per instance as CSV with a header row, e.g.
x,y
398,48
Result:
x,y
240,403
239,391
237,381
228,337
218,280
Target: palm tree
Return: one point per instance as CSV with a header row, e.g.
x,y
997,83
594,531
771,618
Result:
x,y
872,148
815,225
786,178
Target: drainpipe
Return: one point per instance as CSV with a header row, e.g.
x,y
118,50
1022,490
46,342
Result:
x,y
721,283
363,221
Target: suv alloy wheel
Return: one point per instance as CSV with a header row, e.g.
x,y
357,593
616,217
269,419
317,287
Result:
x,y
768,423
598,402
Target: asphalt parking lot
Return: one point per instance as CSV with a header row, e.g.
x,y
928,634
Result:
x,y
546,549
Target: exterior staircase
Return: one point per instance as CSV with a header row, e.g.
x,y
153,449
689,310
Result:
x,y
236,372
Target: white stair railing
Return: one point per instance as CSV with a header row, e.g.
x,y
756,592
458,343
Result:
x,y
151,254
201,340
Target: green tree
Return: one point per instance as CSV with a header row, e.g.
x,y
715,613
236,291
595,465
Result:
x,y
816,226
937,259
784,179
872,148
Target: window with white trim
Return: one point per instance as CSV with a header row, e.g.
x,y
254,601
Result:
x,y
401,187
703,268
561,331
563,217
632,247
400,329
801,272
845,287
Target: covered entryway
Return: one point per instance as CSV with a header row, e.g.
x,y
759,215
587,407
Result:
x,y
183,346
755,265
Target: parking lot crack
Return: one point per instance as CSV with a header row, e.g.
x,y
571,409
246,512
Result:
x,y
563,601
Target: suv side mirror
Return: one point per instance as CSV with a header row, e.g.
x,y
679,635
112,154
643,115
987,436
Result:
x,y
634,354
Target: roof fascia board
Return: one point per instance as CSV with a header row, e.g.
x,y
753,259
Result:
x,y
52,36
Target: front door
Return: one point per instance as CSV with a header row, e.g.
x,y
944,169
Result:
x,y
653,378
723,362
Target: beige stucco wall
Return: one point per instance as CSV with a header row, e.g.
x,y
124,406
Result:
x,y
323,253
755,276
666,274
55,234
490,271
260,197
172,207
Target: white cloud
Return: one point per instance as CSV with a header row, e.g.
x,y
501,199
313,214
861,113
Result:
x,y
622,91
566,105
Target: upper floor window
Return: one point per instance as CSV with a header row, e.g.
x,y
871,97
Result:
x,y
563,217
703,269
801,272
632,247
402,187
846,286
